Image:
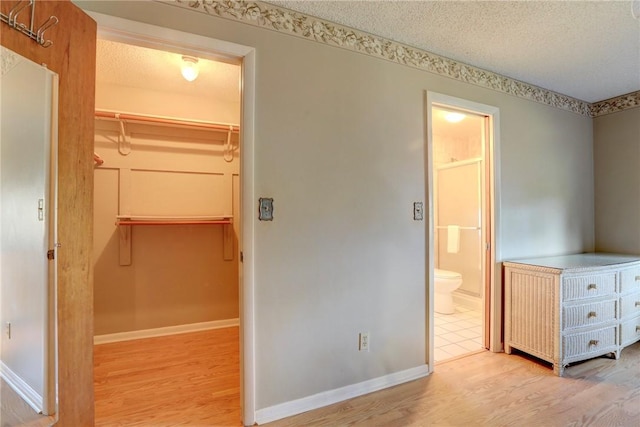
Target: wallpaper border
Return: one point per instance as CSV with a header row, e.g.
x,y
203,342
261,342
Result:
x,y
614,105
294,23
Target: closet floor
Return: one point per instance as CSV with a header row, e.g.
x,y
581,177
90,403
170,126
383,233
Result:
x,y
186,379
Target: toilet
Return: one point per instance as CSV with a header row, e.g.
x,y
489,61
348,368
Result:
x,y
445,283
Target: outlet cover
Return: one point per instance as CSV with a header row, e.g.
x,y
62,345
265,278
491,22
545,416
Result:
x,y
363,341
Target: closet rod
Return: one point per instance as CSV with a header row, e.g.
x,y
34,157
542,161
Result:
x,y
102,114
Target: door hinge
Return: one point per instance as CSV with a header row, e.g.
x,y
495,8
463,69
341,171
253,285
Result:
x,y
241,256
51,254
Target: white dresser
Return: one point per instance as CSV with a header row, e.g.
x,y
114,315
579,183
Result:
x,y
569,308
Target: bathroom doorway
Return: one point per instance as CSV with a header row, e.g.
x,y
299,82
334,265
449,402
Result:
x,y
461,234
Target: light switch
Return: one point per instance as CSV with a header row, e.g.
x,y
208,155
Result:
x,y
40,209
265,209
418,211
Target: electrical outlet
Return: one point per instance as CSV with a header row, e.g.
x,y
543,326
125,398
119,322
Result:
x,y
363,341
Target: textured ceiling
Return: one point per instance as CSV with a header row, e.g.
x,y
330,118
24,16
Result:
x,y
589,50
139,67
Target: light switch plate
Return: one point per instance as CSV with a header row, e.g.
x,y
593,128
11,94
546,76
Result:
x,y
418,211
265,209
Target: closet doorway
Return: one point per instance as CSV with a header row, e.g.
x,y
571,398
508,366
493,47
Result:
x,y
166,236
464,309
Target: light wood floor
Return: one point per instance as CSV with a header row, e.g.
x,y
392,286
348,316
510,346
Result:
x,y
15,412
188,379
193,380
495,389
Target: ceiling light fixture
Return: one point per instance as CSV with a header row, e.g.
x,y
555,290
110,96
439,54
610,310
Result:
x,y
454,117
189,68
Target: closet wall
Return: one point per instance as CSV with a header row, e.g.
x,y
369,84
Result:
x,y
167,275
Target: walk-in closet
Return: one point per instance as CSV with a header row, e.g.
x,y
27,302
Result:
x,y
166,227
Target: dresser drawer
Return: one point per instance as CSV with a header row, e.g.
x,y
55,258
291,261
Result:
x,y
588,286
591,342
630,331
630,305
630,280
575,316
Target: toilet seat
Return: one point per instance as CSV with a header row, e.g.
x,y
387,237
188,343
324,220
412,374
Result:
x,y
446,274
445,283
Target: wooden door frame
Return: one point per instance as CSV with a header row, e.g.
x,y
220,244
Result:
x,y
433,99
151,36
72,57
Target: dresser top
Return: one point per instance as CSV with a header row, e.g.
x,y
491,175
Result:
x,y
578,261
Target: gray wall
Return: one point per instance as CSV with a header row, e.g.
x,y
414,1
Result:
x,y
617,181
340,146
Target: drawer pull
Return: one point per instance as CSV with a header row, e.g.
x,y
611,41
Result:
x,y
592,286
637,303
593,343
638,328
592,314
637,278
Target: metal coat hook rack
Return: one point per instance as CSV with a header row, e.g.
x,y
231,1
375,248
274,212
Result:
x,y
38,35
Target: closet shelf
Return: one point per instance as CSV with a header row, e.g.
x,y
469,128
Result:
x,y
167,121
173,220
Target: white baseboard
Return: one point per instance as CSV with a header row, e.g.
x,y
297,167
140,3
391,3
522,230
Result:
x,y
168,330
467,301
330,397
23,389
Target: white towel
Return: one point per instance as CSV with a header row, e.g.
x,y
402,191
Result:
x,y
453,239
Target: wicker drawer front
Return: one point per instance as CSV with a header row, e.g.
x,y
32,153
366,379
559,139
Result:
x,y
630,331
630,305
630,280
588,286
575,316
585,343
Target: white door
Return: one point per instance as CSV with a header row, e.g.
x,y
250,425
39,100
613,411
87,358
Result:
x,y
27,231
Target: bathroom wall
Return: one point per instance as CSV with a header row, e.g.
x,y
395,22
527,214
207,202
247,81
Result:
x,y
178,274
449,148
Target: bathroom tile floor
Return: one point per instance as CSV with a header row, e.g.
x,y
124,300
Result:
x,y
457,334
